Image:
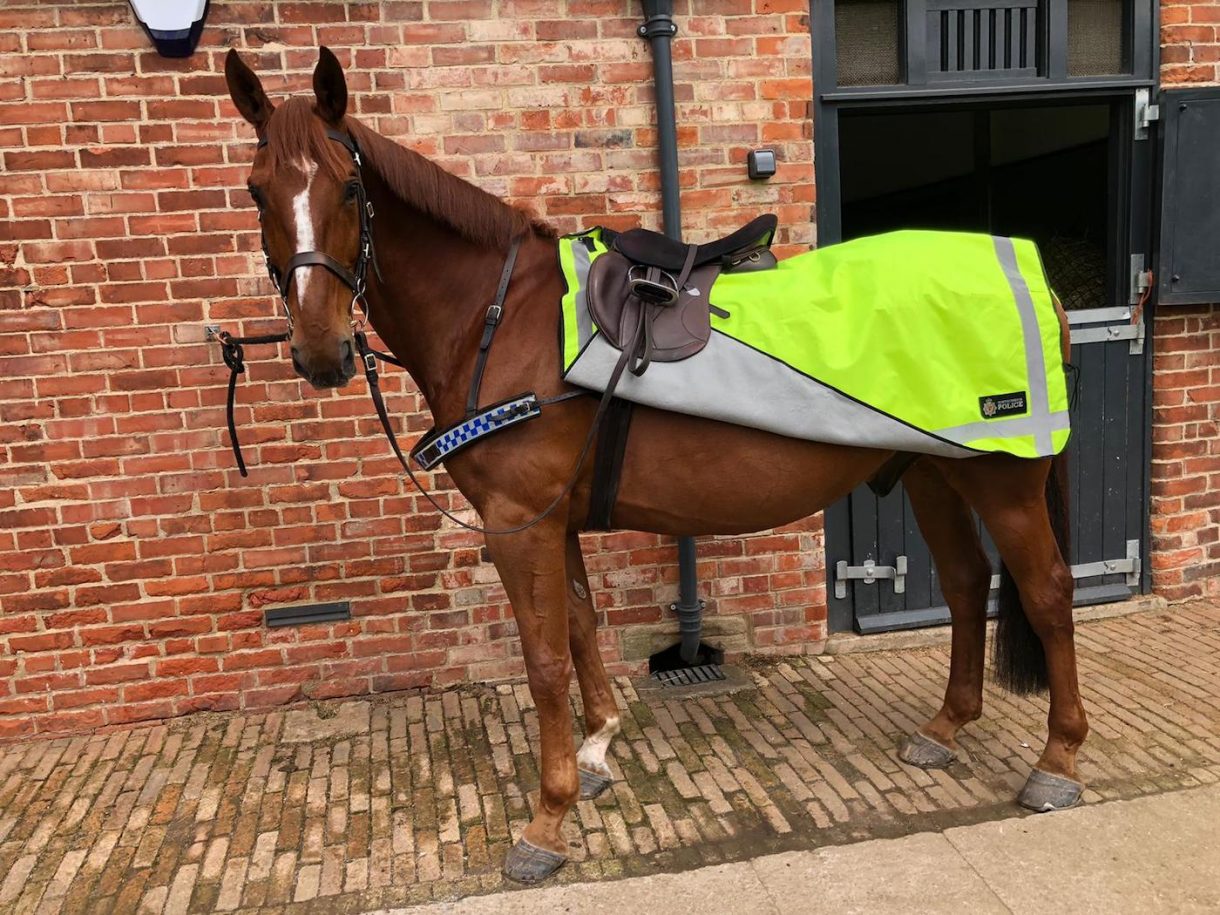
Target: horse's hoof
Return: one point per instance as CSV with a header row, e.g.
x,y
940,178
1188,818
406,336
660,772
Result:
x,y
1044,791
926,753
529,864
592,784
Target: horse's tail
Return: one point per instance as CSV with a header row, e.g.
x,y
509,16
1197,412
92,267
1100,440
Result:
x,y
1019,658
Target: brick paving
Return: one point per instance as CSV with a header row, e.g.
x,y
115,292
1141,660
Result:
x,y
349,806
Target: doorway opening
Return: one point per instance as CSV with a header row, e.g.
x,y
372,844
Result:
x,y
1059,172
1045,172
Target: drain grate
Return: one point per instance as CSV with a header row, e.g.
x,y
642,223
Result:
x,y
689,676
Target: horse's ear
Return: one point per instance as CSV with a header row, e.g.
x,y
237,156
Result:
x,y
247,92
330,87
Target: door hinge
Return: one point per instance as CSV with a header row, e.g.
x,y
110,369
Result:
x,y
869,573
1146,111
1141,279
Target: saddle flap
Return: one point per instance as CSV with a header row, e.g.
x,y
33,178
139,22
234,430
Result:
x,y
675,331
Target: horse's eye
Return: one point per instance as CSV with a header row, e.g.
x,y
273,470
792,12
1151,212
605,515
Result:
x,y
350,192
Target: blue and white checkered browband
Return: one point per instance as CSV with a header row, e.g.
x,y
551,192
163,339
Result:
x,y
435,447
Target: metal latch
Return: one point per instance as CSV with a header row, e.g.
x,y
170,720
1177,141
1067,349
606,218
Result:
x,y
1131,317
1145,113
869,573
1129,566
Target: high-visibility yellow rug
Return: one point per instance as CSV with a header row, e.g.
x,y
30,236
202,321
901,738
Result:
x,y
933,342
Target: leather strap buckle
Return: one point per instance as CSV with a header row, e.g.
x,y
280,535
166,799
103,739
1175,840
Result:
x,y
653,291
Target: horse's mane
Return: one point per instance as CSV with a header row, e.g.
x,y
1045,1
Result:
x,y
470,211
479,217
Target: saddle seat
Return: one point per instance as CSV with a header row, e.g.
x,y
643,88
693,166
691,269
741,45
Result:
x,y
649,294
644,246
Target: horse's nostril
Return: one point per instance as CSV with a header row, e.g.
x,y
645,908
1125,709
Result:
x,y
297,364
347,358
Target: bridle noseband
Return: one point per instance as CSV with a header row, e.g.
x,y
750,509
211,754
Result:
x,y
354,278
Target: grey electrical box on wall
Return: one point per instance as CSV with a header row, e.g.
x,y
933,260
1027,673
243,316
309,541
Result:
x,y
760,163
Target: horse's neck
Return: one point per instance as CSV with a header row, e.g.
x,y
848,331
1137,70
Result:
x,y
431,299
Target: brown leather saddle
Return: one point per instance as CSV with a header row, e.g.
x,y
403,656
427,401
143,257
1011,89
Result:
x,y
649,294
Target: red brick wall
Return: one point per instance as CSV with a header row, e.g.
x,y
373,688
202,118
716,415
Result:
x,y
134,562
1186,453
1190,46
1186,381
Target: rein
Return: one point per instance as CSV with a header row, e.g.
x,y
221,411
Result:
x,y
234,356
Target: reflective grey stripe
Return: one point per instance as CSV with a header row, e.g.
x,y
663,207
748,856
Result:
x,y
1037,422
731,382
1004,428
582,262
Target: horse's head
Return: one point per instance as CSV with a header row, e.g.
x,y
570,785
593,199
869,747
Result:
x,y
315,218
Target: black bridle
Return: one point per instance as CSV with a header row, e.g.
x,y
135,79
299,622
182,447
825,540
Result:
x,y
354,278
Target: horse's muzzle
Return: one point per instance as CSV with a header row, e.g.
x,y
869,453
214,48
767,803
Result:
x,y
333,375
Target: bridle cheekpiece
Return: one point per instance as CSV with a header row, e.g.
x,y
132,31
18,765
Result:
x,y
354,278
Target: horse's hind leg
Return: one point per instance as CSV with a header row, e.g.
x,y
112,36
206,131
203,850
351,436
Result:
x,y
1035,645
601,712
532,566
965,579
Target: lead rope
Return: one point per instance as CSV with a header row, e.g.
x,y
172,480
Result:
x,y
234,357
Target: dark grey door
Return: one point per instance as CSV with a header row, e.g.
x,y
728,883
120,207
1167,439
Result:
x,y
1086,198
1107,500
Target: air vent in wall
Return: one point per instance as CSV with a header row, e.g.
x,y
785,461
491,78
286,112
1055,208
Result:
x,y
308,614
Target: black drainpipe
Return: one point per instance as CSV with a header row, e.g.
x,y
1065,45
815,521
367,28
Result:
x,y
658,30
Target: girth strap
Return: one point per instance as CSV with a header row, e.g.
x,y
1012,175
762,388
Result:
x,y
608,464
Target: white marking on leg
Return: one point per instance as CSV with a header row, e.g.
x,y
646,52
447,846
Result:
x,y
304,227
592,753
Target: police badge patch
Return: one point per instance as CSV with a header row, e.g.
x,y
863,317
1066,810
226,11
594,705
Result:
x,y
997,406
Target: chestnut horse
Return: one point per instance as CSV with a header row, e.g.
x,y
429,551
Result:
x,y
442,245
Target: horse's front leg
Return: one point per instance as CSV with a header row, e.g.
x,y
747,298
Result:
x,y
532,566
601,711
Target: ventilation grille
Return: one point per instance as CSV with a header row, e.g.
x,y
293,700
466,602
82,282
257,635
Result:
x,y
867,42
1095,37
308,614
972,37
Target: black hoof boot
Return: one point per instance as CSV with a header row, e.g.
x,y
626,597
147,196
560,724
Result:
x,y
529,864
926,753
592,784
1044,792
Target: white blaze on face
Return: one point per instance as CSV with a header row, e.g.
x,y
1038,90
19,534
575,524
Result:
x,y
303,220
592,753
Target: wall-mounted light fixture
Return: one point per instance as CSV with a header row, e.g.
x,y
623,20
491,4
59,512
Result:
x,y
173,25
